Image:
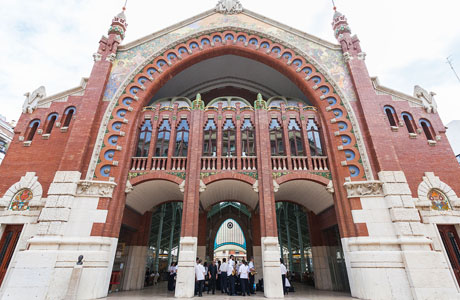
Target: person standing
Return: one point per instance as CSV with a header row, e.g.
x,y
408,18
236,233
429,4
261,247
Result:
x,y
252,270
219,277
212,274
223,275
283,274
243,271
199,277
231,274
172,273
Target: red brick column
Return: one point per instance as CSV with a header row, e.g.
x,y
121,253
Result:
x,y
266,193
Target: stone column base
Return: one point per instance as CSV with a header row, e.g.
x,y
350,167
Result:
x,y
185,283
273,285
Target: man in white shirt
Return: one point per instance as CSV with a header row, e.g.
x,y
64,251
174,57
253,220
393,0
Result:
x,y
252,268
283,274
223,276
199,275
243,270
230,268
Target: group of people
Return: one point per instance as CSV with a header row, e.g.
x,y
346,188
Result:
x,y
226,276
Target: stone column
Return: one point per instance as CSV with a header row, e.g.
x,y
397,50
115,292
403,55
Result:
x,y
189,230
273,287
301,247
319,250
159,235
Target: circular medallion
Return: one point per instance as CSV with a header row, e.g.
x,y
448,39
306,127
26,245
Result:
x,y
230,225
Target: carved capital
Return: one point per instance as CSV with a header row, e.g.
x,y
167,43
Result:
x,y
202,186
347,56
276,186
362,189
95,188
182,187
129,187
255,186
362,56
330,187
111,57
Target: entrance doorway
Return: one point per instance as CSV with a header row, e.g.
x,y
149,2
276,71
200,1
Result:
x,y
7,245
451,243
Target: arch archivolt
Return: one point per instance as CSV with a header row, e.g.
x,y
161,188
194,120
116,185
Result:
x,y
149,76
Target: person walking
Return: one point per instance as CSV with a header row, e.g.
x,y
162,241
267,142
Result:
x,y
231,273
252,272
199,277
243,271
212,275
223,275
283,275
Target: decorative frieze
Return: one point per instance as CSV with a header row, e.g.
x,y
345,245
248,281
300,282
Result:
x,y
95,188
229,7
360,189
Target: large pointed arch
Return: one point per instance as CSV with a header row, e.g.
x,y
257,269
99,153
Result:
x,y
310,77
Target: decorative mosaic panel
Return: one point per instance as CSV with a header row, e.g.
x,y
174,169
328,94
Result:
x,y
331,59
21,200
439,201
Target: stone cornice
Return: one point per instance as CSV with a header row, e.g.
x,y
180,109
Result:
x,y
393,93
62,95
361,189
95,188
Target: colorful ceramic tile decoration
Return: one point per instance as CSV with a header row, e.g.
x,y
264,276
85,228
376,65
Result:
x,y
21,200
438,200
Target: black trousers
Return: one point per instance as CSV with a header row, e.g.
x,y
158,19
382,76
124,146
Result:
x,y
245,286
200,287
212,284
283,277
251,283
223,284
171,282
232,285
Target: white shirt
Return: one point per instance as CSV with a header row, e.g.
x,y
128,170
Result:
x,y
283,269
231,263
223,267
243,271
172,270
199,272
251,266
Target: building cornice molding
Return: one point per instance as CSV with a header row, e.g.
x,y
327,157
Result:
x,y
62,96
393,93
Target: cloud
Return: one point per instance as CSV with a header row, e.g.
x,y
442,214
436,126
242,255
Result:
x,y
50,42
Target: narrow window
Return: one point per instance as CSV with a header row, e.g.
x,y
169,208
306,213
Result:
x,y
2,146
210,139
295,138
390,112
314,139
51,120
145,136
228,138
409,121
163,137
182,138
33,126
427,129
68,114
276,138
248,138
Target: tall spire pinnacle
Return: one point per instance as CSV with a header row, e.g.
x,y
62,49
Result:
x,y
350,44
119,24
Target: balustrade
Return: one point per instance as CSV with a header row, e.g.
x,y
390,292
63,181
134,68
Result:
x,y
139,163
319,163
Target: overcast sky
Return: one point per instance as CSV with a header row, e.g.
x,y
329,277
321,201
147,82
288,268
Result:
x,y
51,42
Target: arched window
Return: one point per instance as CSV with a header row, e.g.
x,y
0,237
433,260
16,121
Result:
x,y
248,140
50,121
33,126
182,138
210,139
314,139
276,138
458,158
427,129
409,121
68,114
163,137
229,138
295,138
391,115
145,136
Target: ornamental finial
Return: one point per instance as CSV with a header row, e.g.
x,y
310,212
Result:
x,y
229,7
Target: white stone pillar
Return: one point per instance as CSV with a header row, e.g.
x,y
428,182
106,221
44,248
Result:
x,y
322,272
273,285
185,282
134,277
257,253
